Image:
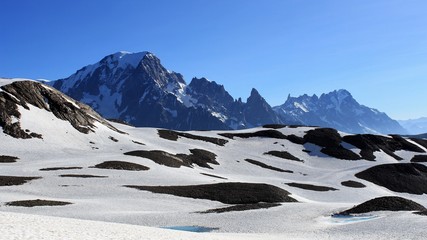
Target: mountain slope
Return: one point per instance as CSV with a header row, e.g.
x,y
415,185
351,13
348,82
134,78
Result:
x,y
338,109
136,88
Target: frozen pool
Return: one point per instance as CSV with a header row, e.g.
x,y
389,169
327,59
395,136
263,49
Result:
x,y
191,228
338,218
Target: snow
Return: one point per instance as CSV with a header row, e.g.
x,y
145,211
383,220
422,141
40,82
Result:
x,y
103,209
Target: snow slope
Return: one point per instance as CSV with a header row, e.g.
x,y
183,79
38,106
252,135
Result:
x,y
125,213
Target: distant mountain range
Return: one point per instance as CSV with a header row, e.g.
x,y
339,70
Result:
x,y
137,89
415,126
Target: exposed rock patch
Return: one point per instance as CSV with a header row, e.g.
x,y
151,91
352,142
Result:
x,y
284,155
398,177
136,142
8,159
37,203
422,213
229,193
263,134
385,204
173,136
421,142
324,137
311,187
353,184
59,168
199,157
14,180
263,165
274,126
81,176
243,207
330,141
340,152
214,176
368,144
419,158
121,165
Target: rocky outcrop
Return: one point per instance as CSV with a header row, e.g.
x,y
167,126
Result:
x,y
399,177
29,93
385,204
230,193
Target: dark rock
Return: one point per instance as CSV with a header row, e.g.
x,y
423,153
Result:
x,y
59,168
340,152
422,213
263,134
263,165
8,159
199,157
121,165
229,193
274,126
242,207
139,143
173,136
311,187
368,144
353,184
398,177
324,137
421,142
13,180
214,176
113,139
384,204
419,158
161,157
36,203
81,176
295,139
284,155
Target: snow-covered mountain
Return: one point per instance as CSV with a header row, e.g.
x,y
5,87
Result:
x,y
338,109
136,88
271,182
415,126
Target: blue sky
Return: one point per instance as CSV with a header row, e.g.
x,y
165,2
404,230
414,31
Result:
x,y
375,49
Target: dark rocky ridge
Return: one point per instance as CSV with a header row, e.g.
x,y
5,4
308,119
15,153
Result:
x,y
263,165
173,136
8,159
385,204
353,184
311,187
242,207
284,155
15,180
25,93
199,157
230,193
37,203
398,177
121,165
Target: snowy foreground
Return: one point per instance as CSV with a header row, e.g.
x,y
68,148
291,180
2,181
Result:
x,y
101,207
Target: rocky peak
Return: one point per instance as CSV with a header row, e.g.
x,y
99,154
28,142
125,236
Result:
x,y
215,92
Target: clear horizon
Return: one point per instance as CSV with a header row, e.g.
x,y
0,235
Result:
x,y
377,50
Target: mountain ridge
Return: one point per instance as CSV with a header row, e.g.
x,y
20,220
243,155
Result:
x,y
138,89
